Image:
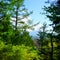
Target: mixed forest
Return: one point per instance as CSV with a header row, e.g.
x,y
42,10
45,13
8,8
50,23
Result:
x,y
15,40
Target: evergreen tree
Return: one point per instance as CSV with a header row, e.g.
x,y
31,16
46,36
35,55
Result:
x,y
5,25
42,34
20,34
19,12
43,42
53,13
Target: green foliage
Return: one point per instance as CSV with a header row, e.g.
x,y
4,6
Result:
x,y
23,37
26,39
15,41
53,13
42,35
5,25
43,42
12,52
8,33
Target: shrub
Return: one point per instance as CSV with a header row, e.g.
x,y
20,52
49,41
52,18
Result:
x,y
12,52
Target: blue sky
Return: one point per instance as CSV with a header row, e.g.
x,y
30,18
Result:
x,y
36,6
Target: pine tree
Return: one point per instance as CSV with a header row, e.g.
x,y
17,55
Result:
x,y
43,42
5,25
53,13
19,12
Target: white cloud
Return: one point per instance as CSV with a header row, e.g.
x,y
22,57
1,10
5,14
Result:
x,y
38,27
13,20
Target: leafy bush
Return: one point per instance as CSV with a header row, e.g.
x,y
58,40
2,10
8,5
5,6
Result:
x,y
11,52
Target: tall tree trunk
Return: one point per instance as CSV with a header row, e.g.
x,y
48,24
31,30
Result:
x,y
51,56
16,18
